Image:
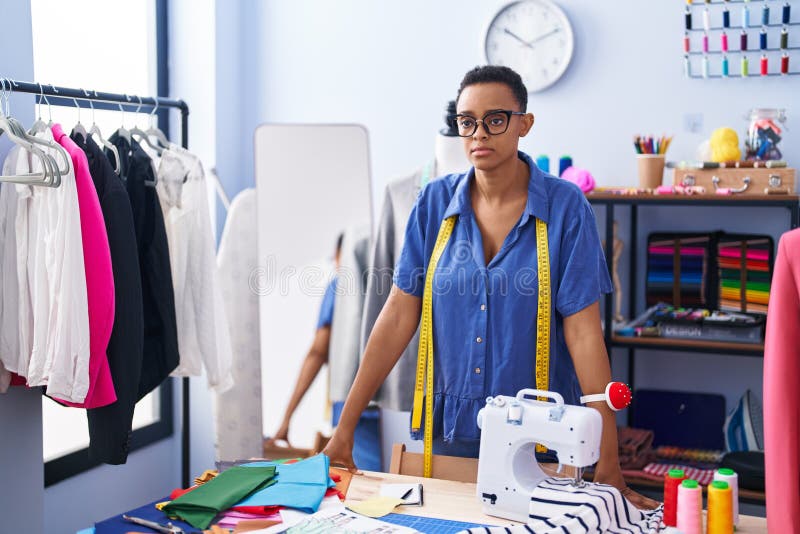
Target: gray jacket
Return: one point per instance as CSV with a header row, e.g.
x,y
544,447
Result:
x,y
397,392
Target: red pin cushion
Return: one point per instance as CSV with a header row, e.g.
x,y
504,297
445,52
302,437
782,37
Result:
x,y
618,396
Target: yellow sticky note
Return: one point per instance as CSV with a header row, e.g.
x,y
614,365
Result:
x,y
375,507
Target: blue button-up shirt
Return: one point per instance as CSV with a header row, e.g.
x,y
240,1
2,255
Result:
x,y
484,316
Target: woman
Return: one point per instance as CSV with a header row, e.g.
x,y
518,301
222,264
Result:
x,y
485,285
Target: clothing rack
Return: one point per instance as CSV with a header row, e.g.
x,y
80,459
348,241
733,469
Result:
x,y
70,97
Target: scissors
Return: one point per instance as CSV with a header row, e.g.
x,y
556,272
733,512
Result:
x,y
169,528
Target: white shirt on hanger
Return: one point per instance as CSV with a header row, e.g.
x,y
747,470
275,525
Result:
x,y
9,286
59,340
203,336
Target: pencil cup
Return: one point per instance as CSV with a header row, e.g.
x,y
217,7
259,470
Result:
x,y
651,170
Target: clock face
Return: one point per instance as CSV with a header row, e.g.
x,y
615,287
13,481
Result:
x,y
533,37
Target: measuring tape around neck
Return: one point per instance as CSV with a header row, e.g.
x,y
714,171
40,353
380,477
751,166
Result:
x,y
425,352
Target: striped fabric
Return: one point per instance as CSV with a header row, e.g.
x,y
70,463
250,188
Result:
x,y
559,507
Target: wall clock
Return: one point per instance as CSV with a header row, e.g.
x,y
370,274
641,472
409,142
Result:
x,y
533,37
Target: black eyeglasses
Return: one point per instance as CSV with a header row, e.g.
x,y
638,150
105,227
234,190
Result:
x,y
495,122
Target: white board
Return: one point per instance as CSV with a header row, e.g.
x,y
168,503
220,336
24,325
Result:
x,y
312,181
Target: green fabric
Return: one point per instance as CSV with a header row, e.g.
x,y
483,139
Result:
x,y
201,505
752,276
750,286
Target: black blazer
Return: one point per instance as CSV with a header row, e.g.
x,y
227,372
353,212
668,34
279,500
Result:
x,y
160,355
110,426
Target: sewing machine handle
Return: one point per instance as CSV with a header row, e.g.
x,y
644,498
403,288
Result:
x,y
521,394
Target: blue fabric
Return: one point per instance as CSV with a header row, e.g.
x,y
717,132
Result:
x,y
503,361
300,485
326,308
117,525
366,438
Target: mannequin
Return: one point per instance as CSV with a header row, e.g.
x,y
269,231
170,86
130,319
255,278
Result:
x,y
448,147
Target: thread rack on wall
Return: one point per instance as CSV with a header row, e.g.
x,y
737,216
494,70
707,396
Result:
x,y
741,38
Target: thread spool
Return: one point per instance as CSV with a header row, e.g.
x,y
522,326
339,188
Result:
x,y
723,42
784,39
785,63
705,67
688,18
745,16
690,507
743,41
706,20
745,67
764,65
726,18
787,13
720,508
687,66
564,163
725,71
730,476
543,162
705,43
686,43
671,482
765,15
762,39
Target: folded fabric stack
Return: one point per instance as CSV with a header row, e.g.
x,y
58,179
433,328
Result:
x,y
635,447
752,264
661,279
254,491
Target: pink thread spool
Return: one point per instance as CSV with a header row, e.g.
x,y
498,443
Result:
x,y
705,43
724,42
690,507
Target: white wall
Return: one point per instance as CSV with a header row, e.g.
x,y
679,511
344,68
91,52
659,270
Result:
x,y
393,65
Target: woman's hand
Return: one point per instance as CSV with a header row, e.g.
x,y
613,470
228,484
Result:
x,y
340,451
616,479
281,435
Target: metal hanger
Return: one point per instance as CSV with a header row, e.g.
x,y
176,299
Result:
x,y
79,129
122,131
13,131
39,126
51,170
154,130
95,130
143,135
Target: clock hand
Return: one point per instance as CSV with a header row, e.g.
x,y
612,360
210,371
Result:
x,y
548,34
517,37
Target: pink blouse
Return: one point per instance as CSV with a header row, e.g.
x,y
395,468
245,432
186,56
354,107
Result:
x,y
782,390
99,278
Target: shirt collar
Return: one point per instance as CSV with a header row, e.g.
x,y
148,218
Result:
x,y
536,206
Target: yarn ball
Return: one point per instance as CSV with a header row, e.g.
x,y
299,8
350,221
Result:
x,y
725,145
580,177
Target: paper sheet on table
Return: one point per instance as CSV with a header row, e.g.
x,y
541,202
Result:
x,y
374,507
341,520
291,517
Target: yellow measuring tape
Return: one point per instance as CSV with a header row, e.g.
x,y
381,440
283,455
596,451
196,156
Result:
x,y
425,352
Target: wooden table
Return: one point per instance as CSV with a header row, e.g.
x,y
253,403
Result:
x,y
445,499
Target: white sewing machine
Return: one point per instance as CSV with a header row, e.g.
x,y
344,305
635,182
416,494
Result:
x,y
510,428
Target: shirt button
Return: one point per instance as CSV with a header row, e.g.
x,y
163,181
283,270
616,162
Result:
x,y
483,307
479,340
477,370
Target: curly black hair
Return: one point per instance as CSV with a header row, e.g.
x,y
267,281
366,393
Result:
x,y
497,74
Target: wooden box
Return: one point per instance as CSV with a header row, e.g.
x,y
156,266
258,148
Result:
x,y
750,182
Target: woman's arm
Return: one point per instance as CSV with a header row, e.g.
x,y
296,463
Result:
x,y
393,330
317,356
584,338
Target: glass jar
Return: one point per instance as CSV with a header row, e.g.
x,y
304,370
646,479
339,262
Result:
x,y
764,133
